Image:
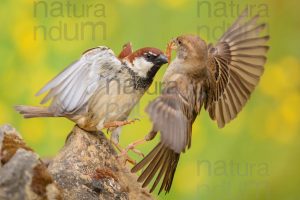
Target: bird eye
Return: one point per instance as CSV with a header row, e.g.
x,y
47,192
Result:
x,y
148,55
179,42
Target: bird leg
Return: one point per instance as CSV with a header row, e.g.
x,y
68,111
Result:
x,y
116,124
114,139
132,145
123,154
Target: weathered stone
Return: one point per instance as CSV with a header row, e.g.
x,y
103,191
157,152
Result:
x,y
87,168
22,174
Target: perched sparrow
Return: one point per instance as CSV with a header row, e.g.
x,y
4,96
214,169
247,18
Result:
x,y
220,77
99,90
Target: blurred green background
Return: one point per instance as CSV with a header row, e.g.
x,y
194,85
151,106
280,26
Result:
x,y
254,157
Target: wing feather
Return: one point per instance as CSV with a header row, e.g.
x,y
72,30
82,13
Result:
x,y
237,63
71,89
172,116
167,115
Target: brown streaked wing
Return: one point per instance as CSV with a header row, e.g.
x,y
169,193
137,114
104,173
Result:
x,y
237,63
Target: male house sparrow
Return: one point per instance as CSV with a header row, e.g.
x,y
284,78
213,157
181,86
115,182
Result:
x,y
99,90
220,77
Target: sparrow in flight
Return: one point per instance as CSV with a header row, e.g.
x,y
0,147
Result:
x,y
218,77
100,89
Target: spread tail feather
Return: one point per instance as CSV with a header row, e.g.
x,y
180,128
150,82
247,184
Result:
x,y
161,161
33,111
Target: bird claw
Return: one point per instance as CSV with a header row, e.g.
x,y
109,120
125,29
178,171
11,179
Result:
x,y
126,158
116,124
130,147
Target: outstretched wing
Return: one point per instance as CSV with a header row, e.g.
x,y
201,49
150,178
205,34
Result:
x,y
71,89
172,116
236,65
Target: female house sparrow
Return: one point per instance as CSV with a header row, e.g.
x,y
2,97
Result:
x,y
220,77
99,90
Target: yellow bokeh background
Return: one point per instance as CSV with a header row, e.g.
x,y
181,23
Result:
x,y
266,132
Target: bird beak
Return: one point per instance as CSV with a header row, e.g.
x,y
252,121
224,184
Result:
x,y
161,59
